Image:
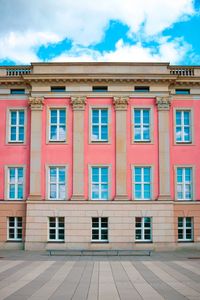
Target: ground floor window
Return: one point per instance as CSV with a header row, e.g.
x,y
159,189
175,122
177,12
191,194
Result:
x,y
99,229
185,229
56,229
143,229
15,228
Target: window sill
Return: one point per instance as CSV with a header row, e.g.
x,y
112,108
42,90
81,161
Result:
x,y
55,242
143,242
16,143
183,242
14,241
99,242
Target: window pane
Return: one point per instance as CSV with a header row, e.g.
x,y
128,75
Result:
x,y
178,118
62,191
13,117
12,191
104,132
20,191
53,134
52,191
13,136
21,134
104,116
186,118
138,234
62,133
53,116
53,174
137,116
95,116
62,116
21,118
95,132
62,175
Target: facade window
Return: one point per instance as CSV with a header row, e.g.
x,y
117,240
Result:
x,y
183,126
57,125
99,89
185,229
99,182
17,91
182,91
141,125
100,229
184,183
143,229
142,183
142,89
16,126
57,89
57,183
15,228
15,183
100,125
57,229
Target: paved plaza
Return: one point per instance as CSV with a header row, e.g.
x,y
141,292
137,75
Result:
x,y
36,276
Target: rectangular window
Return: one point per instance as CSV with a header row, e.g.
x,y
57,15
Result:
x,y
184,183
15,228
185,229
141,119
56,229
57,125
15,183
57,89
183,126
99,89
100,229
99,125
142,89
17,91
142,183
57,183
182,91
16,126
99,182
143,230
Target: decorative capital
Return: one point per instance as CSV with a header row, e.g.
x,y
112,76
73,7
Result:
x,y
120,103
78,103
36,103
163,103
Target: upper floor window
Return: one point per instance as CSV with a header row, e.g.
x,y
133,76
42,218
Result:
x,y
16,183
142,183
16,126
142,89
56,229
15,228
184,183
99,89
141,121
99,125
183,126
57,89
17,91
99,184
143,229
57,183
57,132
182,91
185,229
99,229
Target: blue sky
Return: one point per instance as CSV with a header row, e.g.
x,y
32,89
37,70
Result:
x,y
106,30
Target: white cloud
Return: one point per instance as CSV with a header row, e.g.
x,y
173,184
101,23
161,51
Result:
x,y
27,24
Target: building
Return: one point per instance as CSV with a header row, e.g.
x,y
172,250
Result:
x,y
99,156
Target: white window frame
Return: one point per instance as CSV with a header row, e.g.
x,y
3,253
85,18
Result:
x,y
99,228
141,109
142,182
57,124
183,126
184,228
56,228
16,227
57,183
184,183
16,183
99,125
142,228
17,125
99,183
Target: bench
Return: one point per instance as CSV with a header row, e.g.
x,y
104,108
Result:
x,y
98,252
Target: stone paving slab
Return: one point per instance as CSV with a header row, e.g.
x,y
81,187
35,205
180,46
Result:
x,y
163,276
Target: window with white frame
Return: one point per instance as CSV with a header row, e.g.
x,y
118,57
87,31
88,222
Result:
x,y
185,229
57,183
141,120
99,229
15,228
16,183
143,229
99,126
184,183
16,126
56,229
99,183
142,183
57,132
183,126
